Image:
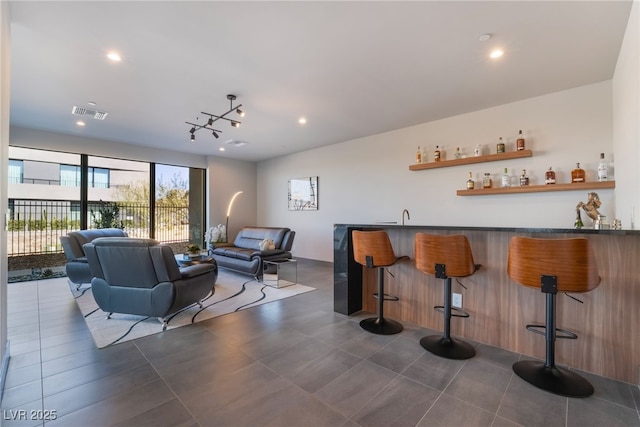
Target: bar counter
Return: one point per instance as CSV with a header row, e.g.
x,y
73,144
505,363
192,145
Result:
x,y
606,322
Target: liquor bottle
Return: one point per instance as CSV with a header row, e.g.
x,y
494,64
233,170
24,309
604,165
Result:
x,y
478,150
436,154
550,176
470,182
419,155
577,174
457,154
500,146
602,168
486,181
506,179
524,179
578,223
520,141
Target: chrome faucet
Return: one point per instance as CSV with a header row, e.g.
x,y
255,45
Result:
x,y
408,217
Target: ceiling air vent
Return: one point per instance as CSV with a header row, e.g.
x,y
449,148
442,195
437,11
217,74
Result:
x,y
236,142
86,112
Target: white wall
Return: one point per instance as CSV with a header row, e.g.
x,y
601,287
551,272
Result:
x,y
5,54
368,180
227,177
626,126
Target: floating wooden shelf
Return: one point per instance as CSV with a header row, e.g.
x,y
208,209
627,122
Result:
x,y
470,160
538,188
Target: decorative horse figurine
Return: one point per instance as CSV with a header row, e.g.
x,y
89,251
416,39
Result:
x,y
592,205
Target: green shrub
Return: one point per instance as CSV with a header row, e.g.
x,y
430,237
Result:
x,y
16,225
108,216
37,224
59,224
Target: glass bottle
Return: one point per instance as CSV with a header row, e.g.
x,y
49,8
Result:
x,y
470,183
524,179
486,181
436,154
520,141
602,168
419,155
578,223
506,179
577,174
478,150
457,154
550,176
500,146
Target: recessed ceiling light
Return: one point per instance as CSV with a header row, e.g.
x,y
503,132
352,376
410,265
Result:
x,y
92,103
80,123
302,120
496,53
221,149
114,56
484,37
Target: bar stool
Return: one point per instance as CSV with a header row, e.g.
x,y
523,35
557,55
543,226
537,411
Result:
x,y
446,256
553,265
372,249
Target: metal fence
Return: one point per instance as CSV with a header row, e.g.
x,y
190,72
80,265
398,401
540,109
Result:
x,y
35,226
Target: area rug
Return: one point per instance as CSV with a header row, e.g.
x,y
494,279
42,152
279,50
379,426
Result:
x,y
233,292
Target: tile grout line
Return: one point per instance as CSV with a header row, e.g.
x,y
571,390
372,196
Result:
x,y
40,349
186,408
504,394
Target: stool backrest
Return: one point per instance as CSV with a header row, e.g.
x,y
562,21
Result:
x,y
452,250
571,260
375,244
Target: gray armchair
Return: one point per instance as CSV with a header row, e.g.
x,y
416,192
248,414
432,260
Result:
x,y
142,277
77,268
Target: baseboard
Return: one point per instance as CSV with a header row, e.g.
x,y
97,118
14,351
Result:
x,y
5,368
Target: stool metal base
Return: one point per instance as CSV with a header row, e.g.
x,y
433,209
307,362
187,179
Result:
x,y
448,348
379,326
553,379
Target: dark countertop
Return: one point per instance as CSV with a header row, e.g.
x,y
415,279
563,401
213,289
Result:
x,y
585,230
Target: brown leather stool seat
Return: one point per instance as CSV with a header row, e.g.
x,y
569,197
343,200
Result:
x,y
446,256
553,265
373,249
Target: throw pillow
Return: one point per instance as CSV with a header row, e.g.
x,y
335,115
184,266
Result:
x,y
267,244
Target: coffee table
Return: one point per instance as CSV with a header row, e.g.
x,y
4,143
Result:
x,y
193,260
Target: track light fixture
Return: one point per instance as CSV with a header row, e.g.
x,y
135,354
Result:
x,y
213,118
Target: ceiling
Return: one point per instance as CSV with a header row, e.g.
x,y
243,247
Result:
x,y
353,69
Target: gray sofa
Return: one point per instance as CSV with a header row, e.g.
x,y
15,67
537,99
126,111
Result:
x,y
142,277
77,267
245,256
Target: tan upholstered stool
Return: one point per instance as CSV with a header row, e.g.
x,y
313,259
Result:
x,y
446,256
372,249
553,265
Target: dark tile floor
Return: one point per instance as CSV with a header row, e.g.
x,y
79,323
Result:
x,y
292,362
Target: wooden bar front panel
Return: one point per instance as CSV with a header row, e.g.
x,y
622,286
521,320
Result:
x,y
607,343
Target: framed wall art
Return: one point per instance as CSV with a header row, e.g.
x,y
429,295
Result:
x,y
303,194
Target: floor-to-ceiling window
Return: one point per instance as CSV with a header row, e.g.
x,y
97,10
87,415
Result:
x,y
179,203
118,195
52,193
44,196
